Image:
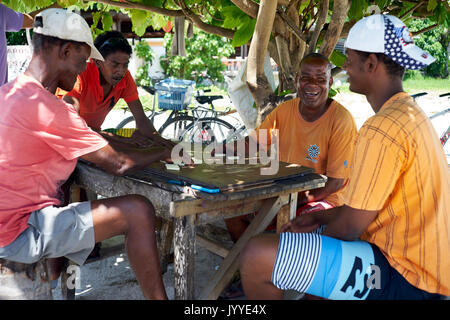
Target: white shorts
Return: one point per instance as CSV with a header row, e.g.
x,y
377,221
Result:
x,y
54,232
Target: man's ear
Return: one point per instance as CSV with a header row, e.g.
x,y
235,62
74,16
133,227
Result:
x,y
98,63
65,50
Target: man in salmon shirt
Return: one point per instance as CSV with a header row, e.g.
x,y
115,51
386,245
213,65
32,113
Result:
x,y
42,138
103,83
391,238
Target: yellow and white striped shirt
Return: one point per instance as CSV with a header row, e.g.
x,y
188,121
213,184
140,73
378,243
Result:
x,y
399,169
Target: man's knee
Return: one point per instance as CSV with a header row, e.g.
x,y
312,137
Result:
x,y
141,207
259,252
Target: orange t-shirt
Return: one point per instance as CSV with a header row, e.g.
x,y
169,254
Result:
x,y
93,106
41,140
325,144
400,170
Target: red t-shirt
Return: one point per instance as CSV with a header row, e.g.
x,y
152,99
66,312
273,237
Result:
x,y
41,138
93,106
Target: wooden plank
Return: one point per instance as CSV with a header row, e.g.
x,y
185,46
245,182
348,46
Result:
x,y
165,237
184,258
108,185
287,212
283,216
230,175
230,264
293,205
307,182
184,207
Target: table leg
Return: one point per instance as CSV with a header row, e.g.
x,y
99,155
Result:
x,y
293,205
184,257
287,212
231,263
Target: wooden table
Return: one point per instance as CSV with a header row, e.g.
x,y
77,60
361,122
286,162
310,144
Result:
x,y
183,208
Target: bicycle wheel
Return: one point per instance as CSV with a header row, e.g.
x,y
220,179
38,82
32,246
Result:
x,y
127,123
174,128
208,130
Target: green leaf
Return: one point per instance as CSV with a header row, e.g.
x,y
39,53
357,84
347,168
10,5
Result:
x,y
233,17
432,4
67,3
107,21
244,33
303,6
332,92
357,9
382,3
337,58
139,21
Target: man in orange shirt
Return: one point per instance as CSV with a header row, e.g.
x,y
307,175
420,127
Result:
x,y
314,131
103,83
391,238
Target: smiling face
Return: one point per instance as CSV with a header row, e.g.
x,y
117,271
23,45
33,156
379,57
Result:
x,y
314,82
114,67
355,71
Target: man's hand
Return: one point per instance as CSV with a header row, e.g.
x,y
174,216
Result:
x,y
154,139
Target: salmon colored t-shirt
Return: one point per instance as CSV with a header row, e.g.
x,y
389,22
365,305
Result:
x,y
94,107
400,170
41,138
325,144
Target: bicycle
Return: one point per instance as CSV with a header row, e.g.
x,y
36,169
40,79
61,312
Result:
x,y
440,121
442,118
193,124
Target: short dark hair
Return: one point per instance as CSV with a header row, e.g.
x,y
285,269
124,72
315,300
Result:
x,y
316,55
42,42
393,68
112,41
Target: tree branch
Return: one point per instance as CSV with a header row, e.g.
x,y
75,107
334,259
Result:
x,y
204,26
340,9
424,30
256,78
323,13
291,25
411,10
132,5
249,7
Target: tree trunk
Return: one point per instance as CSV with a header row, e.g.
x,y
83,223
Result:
x,y
340,9
256,79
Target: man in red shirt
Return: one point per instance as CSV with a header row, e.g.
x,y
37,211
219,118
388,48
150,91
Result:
x,y
41,138
103,83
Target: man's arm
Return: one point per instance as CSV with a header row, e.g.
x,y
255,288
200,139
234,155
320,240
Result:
x,y
331,186
145,125
344,223
348,223
28,18
119,161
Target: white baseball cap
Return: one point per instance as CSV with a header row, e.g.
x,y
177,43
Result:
x,y
389,35
66,25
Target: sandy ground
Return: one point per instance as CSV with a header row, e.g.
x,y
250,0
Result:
x,y
113,279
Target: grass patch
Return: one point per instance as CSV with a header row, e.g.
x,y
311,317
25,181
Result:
x,y
414,85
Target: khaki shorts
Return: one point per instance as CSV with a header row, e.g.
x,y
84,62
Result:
x,y
54,232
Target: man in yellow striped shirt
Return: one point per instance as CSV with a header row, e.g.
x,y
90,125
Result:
x,y
391,238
